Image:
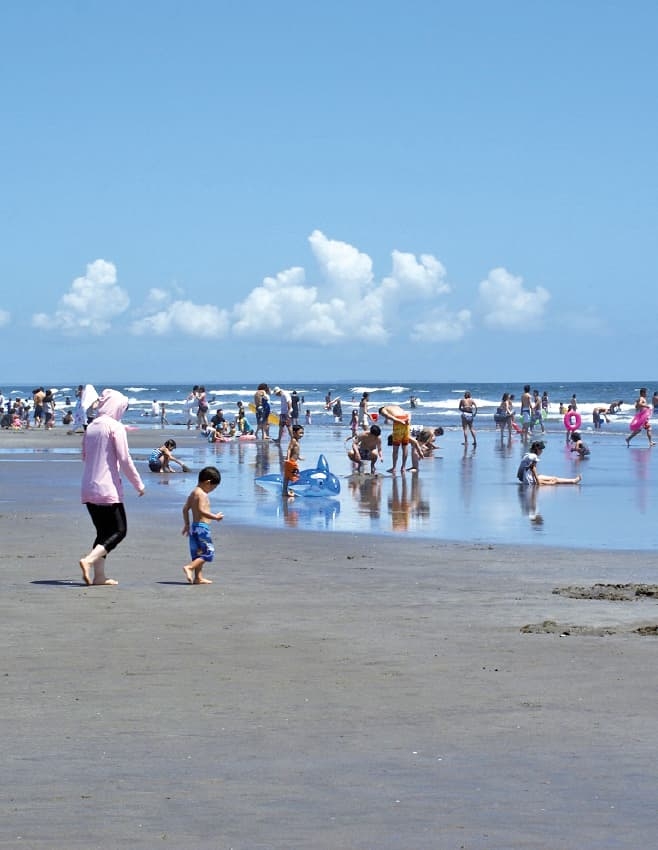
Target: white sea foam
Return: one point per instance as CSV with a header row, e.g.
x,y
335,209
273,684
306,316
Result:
x,y
394,390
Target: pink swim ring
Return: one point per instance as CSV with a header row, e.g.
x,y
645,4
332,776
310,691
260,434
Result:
x,y
572,420
640,419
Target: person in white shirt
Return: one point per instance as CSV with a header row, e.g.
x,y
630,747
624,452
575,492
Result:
x,y
285,413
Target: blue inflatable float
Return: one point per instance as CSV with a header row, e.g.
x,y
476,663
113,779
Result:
x,y
311,482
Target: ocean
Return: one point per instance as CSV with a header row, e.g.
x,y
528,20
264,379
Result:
x,y
461,494
437,402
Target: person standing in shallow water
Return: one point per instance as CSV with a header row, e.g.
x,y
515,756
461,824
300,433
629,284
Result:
x,y
468,409
105,456
642,404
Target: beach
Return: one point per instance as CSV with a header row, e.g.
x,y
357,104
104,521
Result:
x,y
327,691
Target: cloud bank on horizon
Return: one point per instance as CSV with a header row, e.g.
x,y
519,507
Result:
x,y
347,299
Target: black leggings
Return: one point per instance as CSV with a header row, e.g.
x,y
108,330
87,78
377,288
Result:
x,y
110,524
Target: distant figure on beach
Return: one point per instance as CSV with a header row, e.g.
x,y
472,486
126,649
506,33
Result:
x,y
526,411
105,456
163,415
155,408
242,423
364,418
642,405
598,415
294,407
337,411
574,419
503,415
527,471
202,409
218,421
49,410
425,438
161,457
537,417
468,409
366,448
38,396
577,445
308,418
615,407
291,463
285,415
85,399
262,405
202,550
191,404
654,401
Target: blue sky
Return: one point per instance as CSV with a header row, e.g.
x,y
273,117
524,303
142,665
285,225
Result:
x,y
209,191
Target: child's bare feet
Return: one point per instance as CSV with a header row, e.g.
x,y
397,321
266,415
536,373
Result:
x,y
105,582
85,566
189,574
202,580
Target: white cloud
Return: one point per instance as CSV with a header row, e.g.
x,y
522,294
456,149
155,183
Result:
x,y
265,307
90,304
286,307
347,271
5,317
506,304
410,277
200,320
442,326
348,304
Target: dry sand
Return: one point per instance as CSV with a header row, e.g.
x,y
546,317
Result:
x,y
327,691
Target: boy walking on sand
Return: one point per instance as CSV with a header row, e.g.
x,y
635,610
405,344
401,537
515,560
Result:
x,y
202,550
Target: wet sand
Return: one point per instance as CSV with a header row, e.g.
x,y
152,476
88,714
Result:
x,y
327,691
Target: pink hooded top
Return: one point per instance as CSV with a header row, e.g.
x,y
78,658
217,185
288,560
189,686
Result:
x,y
105,453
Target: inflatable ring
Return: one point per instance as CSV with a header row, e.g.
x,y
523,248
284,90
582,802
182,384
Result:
x,y
572,420
640,419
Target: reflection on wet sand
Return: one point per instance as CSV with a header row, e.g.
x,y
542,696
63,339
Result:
x,y
367,493
405,502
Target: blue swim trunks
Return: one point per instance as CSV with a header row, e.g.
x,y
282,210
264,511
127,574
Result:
x,y
201,545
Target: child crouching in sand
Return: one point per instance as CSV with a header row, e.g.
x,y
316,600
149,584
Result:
x,y
202,550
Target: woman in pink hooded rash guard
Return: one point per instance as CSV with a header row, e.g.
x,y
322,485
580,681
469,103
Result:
x,y
105,455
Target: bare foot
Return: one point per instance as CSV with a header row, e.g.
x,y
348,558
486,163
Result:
x,y
579,478
189,574
105,582
85,567
392,469
202,580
